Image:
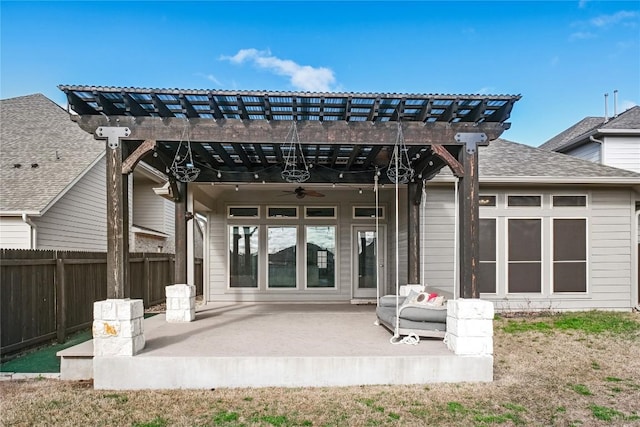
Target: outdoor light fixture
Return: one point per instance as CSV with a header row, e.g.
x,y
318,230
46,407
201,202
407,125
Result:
x,y
237,188
359,190
219,175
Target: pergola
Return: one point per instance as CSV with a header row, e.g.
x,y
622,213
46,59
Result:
x,y
244,136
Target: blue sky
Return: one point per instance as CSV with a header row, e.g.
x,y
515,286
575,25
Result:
x,y
561,56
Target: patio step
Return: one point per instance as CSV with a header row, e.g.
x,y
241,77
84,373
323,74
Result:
x,y
76,363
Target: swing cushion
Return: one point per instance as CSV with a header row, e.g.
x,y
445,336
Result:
x,y
411,312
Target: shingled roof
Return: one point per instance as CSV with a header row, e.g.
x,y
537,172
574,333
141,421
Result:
x,y
592,126
42,153
508,161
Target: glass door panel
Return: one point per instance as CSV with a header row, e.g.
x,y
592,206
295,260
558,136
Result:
x,y
281,242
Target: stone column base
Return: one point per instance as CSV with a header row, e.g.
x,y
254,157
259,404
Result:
x,y
470,327
118,327
181,303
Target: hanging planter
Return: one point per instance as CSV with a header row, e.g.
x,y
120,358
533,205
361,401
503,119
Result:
x,y
183,167
295,168
400,170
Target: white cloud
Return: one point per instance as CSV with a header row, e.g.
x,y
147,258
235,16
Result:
x,y
304,77
582,3
581,35
487,90
210,77
616,18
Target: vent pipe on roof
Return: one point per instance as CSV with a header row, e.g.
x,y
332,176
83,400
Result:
x,y
606,108
615,103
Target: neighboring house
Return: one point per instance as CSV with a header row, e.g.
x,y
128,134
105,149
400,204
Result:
x,y
52,185
613,142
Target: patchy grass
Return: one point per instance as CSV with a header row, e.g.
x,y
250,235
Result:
x,y
572,372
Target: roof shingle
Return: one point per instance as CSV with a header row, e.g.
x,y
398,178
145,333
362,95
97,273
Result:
x,y
37,131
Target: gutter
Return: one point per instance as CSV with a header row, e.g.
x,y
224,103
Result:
x,y
34,230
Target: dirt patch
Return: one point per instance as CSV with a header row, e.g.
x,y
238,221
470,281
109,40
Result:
x,y
542,377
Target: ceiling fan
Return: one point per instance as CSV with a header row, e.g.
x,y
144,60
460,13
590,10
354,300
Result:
x,y
301,193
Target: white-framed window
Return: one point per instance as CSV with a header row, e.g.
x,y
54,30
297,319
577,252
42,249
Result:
x,y
524,201
243,256
282,212
360,212
234,212
282,256
524,255
487,278
569,255
488,200
566,201
320,242
324,212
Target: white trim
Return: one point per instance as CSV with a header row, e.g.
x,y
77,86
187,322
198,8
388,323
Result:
x,y
559,180
619,131
137,230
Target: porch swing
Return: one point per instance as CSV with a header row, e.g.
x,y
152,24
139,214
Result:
x,y
417,314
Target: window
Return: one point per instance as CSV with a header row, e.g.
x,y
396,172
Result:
x,y
367,212
487,273
282,212
281,253
525,255
569,255
319,212
321,250
566,201
243,212
516,201
485,200
243,256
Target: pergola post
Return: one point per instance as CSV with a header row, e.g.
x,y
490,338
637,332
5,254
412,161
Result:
x,y
118,286
414,198
181,234
469,213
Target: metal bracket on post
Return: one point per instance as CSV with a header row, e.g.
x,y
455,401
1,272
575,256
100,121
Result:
x,y
113,135
471,140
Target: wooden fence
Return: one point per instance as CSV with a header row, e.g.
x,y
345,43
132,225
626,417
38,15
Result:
x,y
45,295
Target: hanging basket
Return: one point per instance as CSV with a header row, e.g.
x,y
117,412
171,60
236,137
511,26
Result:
x,y
294,171
400,170
182,167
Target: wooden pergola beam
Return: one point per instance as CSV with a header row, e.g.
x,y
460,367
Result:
x,y
310,132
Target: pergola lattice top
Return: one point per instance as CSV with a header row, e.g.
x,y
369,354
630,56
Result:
x,y
238,134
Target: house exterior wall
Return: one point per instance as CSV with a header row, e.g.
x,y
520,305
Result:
x,y
343,200
622,152
589,151
14,233
611,249
77,221
151,210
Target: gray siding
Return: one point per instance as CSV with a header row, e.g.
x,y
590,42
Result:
x,y
77,221
14,233
590,152
151,210
438,237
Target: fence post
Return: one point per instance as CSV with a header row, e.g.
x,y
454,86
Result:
x,y
147,276
61,303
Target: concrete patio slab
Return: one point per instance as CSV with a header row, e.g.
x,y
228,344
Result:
x,y
283,345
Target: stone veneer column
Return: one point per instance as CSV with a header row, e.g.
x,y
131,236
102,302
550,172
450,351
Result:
x,y
118,328
470,327
181,303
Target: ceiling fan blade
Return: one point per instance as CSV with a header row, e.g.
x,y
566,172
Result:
x,y
313,193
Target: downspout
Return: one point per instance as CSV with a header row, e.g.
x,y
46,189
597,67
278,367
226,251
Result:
x,y
636,249
33,230
601,142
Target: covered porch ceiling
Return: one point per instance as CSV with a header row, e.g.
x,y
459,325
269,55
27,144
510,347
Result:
x,y
243,136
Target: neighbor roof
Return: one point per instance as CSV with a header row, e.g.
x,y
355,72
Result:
x,y
42,153
592,126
